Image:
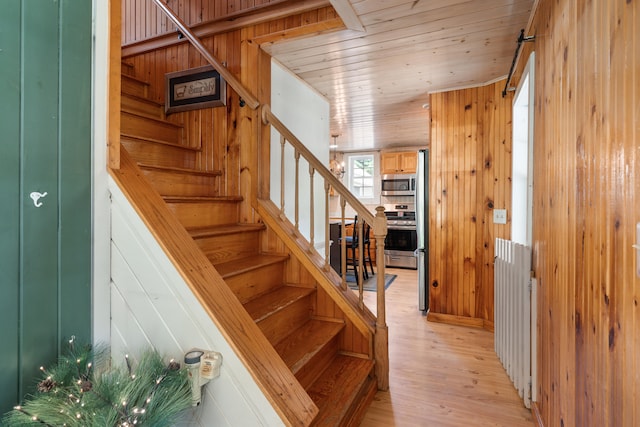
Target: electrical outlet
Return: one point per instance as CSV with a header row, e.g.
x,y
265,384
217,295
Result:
x,y
499,216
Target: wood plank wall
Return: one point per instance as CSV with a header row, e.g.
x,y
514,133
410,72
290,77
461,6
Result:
x,y
206,129
227,137
146,20
470,175
586,206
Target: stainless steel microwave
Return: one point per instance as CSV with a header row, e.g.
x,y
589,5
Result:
x,y
398,185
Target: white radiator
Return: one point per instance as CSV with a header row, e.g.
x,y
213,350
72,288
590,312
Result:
x,y
513,309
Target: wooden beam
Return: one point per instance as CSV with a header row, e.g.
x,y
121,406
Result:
x,y
348,15
224,25
302,31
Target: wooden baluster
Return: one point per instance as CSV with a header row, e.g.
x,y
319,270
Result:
x,y
282,142
312,171
297,200
327,242
343,246
360,262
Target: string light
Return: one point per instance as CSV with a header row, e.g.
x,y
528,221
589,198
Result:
x,y
128,410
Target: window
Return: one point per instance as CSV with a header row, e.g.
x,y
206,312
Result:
x,y
361,174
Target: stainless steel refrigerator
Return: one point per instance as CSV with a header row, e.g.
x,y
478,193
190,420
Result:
x,y
422,228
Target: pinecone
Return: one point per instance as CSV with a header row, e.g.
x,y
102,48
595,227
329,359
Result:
x,y
174,366
86,386
46,385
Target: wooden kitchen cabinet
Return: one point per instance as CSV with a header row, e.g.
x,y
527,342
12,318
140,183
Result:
x,y
399,162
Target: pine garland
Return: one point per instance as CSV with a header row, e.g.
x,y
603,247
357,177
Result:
x,y
82,389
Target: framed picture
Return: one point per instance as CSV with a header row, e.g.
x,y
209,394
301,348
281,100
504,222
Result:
x,y
201,87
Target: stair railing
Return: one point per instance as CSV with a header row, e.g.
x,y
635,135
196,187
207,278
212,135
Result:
x,y
246,96
377,222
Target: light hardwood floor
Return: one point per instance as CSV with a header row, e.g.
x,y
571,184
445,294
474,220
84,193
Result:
x,y
440,375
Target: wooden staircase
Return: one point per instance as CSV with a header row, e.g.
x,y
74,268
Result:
x,y
340,381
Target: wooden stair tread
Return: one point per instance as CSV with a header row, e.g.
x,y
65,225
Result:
x,y
132,85
265,305
127,66
306,341
243,265
141,106
127,137
201,199
141,99
158,121
179,170
135,79
221,230
338,387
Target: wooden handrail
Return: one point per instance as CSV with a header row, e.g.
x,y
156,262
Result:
x,y
378,223
250,100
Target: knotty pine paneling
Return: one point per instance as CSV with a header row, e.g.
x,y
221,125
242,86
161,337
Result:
x,y
470,175
586,206
219,133
227,138
145,20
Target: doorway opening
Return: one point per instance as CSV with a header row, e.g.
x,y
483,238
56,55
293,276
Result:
x,y
522,162
522,198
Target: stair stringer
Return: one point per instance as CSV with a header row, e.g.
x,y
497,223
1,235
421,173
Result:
x,y
226,323
362,319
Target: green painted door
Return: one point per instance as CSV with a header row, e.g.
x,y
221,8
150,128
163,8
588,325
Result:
x,y
45,147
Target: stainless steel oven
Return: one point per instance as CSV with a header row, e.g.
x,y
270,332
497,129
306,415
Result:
x,y
402,239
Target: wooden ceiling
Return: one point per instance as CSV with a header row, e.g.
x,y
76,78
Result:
x,y
378,80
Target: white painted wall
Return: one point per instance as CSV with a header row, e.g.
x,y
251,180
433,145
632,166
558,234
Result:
x,y
151,305
306,114
100,192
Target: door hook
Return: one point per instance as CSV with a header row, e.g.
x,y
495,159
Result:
x,y
36,196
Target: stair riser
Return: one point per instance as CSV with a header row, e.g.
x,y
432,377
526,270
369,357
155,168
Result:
x,y
146,128
134,87
280,324
135,105
151,153
358,410
196,215
342,391
127,68
169,183
248,285
310,372
229,247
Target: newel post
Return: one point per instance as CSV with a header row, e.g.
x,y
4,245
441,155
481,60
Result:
x,y
382,331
